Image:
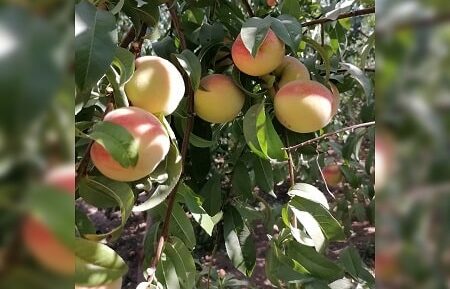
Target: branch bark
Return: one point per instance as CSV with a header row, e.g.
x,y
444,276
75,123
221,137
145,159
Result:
x,y
365,124
184,150
365,11
248,8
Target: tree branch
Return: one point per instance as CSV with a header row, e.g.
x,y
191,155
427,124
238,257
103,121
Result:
x,y
366,124
248,8
184,149
350,14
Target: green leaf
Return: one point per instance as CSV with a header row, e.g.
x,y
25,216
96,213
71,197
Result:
x,y
147,13
288,29
316,264
95,44
352,264
96,264
281,268
323,54
330,226
253,33
309,192
360,77
166,273
240,78
165,47
173,167
55,209
260,134
291,7
370,43
341,7
238,241
183,262
242,184
116,139
211,34
104,193
263,175
121,70
180,225
83,224
311,226
194,204
116,9
212,194
191,65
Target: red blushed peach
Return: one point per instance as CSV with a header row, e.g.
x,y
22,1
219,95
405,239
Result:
x,y
291,69
271,3
46,249
384,158
62,177
156,86
113,285
218,100
303,106
153,145
336,99
332,174
269,56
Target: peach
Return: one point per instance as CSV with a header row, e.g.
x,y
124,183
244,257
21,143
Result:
x,y
332,174
291,69
156,86
218,99
336,99
269,56
303,106
384,158
46,248
41,243
113,285
153,145
62,177
271,3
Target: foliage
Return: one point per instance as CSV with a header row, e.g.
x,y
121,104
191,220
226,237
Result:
x,y
229,168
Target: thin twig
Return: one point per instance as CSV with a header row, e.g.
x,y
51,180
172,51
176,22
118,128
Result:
x,y
184,148
128,38
366,124
248,8
291,174
365,11
322,175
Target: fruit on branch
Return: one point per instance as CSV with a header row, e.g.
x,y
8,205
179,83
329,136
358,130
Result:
x,y
291,69
62,177
303,106
332,174
269,56
39,240
156,86
218,99
384,158
336,99
113,285
271,3
153,145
